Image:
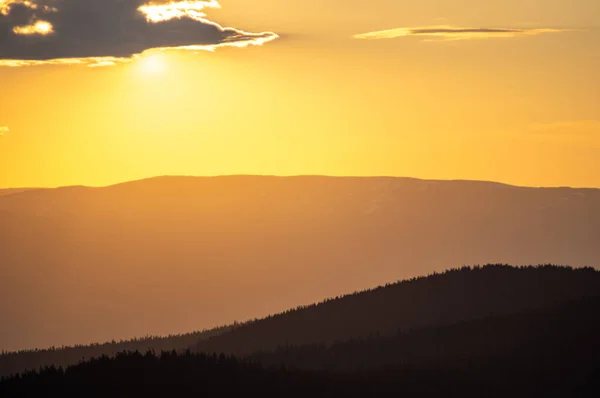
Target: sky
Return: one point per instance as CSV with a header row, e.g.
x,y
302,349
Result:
x,y
96,92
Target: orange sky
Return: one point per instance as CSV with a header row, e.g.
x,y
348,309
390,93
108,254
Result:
x,y
501,90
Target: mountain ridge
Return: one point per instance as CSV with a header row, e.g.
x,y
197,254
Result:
x,y
273,176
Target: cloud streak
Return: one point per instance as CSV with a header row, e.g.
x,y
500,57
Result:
x,y
3,130
446,32
109,32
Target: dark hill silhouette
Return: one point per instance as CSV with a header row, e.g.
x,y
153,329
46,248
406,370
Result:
x,y
543,353
174,254
441,299
553,336
16,362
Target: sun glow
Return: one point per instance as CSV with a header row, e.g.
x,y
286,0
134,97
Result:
x,y
153,64
39,28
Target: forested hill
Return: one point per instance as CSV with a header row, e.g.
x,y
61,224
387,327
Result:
x,y
559,336
15,362
542,353
436,300
439,299
479,312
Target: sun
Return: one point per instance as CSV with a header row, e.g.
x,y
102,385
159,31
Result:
x,y
153,64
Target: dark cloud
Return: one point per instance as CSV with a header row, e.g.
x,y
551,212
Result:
x,y
54,30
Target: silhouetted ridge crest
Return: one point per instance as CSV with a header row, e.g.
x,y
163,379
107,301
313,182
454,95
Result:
x,y
438,299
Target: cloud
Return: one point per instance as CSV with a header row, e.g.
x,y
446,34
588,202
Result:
x,y
3,130
107,32
5,5
445,32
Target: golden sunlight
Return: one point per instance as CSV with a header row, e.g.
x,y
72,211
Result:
x,y
164,11
39,28
5,5
153,64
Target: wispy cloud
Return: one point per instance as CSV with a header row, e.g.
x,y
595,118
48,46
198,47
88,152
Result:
x,y
108,32
3,130
446,32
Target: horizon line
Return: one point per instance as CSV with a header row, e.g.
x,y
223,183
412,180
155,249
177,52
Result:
x,y
25,188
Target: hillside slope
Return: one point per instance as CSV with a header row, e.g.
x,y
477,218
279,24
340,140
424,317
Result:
x,y
544,353
435,302
442,299
552,337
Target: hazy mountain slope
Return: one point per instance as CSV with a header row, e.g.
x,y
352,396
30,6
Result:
x,y
442,299
169,255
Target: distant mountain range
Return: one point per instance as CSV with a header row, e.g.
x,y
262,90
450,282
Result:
x,y
12,191
173,254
